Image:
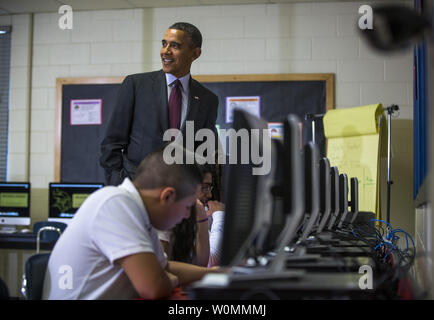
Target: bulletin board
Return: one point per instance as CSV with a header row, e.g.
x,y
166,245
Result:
x,y
78,139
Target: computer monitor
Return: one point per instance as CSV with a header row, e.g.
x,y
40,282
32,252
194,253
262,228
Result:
x,y
311,187
14,204
248,196
66,198
294,204
334,204
325,193
250,202
343,198
279,203
288,204
354,199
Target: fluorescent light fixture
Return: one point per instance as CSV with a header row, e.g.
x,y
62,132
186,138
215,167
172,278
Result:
x,y
3,32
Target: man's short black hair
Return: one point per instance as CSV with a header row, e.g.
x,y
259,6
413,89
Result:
x,y
191,30
153,173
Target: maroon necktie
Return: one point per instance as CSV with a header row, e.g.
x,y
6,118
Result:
x,y
175,101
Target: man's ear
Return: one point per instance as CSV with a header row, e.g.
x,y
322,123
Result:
x,y
196,53
168,195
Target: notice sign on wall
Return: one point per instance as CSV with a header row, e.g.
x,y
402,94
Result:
x,y
86,112
248,104
276,130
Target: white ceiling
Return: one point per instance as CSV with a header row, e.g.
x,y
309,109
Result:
x,y
29,6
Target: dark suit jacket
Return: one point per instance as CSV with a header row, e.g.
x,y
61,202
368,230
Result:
x,y
140,118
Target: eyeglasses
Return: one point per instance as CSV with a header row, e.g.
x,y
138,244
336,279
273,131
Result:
x,y
207,188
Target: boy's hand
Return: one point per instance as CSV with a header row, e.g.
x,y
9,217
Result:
x,y
200,211
173,280
214,206
218,269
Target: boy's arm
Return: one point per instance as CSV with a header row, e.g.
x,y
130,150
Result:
x,y
188,273
147,276
216,209
202,236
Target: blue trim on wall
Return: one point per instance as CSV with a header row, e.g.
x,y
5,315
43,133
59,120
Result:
x,y
420,113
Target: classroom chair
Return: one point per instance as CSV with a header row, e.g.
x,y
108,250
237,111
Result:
x,y
34,274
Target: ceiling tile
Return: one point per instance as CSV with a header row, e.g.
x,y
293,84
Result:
x,y
164,3
234,2
28,6
98,4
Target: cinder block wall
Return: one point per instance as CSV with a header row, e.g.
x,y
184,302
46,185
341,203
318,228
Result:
x,y
242,39
262,38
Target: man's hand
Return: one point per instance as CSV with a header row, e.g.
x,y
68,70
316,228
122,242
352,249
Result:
x,y
214,206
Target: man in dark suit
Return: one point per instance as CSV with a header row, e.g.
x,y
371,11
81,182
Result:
x,y
150,103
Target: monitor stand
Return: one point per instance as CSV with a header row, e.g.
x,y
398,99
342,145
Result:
x,y
299,254
257,275
8,229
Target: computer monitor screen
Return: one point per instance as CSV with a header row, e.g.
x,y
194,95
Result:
x,y
245,193
354,198
343,198
325,192
66,198
288,204
334,196
14,203
279,203
311,187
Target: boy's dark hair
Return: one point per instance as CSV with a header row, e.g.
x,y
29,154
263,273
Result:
x,y
191,30
153,173
206,168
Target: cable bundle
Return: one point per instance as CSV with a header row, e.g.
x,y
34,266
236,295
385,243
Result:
x,y
389,240
393,249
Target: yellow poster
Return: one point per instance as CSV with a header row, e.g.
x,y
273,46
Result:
x,y
353,145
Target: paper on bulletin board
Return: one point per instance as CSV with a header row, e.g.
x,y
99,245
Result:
x,y
276,130
86,112
249,104
353,145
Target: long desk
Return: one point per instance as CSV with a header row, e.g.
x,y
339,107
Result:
x,y
23,241
311,286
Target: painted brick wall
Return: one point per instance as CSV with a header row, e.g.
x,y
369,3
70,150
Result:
x,y
262,38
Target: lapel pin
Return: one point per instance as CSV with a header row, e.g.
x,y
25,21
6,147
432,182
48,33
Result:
x,y
196,97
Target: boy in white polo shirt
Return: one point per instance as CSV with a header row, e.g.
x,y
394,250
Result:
x,y
111,250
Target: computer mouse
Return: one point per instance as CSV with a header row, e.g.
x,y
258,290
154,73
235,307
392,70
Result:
x,y
25,231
